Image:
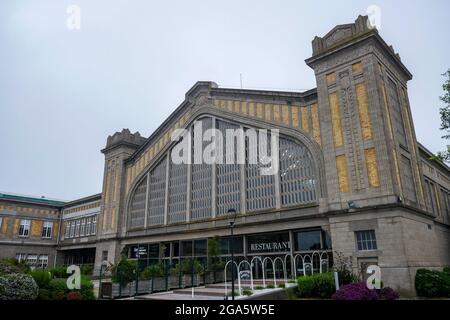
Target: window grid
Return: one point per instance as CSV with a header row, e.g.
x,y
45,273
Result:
x,y
47,229
94,225
177,192
397,113
201,177
32,260
86,226
21,257
366,240
260,189
408,183
43,261
297,176
297,183
137,210
67,230
83,227
24,229
228,182
157,194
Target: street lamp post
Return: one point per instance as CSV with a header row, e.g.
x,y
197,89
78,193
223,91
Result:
x,y
231,242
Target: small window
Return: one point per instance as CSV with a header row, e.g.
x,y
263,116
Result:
x,y
43,261
21,257
83,227
365,240
72,229
88,226
67,232
1,221
105,255
24,229
47,230
32,260
94,225
77,228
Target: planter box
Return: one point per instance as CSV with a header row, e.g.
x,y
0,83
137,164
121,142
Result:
x,y
159,284
176,282
144,286
192,281
125,291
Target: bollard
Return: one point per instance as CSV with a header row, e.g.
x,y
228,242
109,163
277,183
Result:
x,y
336,280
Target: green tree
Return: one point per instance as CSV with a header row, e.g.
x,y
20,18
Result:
x,y
214,261
445,117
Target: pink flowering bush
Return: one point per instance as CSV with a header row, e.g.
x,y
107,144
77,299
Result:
x,y
359,291
355,291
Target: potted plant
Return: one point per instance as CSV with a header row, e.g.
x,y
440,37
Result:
x,y
192,272
155,274
124,274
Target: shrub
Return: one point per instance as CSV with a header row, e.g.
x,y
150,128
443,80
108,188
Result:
x,y
343,265
124,271
305,286
291,293
355,291
270,286
281,285
247,292
446,269
175,270
6,268
190,265
86,290
58,285
59,272
73,295
87,269
388,294
11,265
430,283
323,285
42,278
259,287
17,286
155,270
58,289
317,285
58,295
44,294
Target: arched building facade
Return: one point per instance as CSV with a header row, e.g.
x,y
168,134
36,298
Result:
x,y
349,175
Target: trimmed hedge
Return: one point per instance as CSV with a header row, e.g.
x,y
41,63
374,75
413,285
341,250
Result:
x,y
305,286
17,286
432,283
319,285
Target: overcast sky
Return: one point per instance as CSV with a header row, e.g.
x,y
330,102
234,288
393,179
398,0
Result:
x,y
62,92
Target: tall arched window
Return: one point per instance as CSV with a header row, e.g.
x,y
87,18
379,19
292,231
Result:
x,y
137,209
181,192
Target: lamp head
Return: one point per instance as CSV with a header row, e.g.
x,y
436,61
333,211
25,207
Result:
x,y
232,212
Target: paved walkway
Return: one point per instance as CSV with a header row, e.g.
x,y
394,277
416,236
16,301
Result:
x,y
208,292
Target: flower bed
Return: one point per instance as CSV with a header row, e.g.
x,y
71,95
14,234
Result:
x,y
359,291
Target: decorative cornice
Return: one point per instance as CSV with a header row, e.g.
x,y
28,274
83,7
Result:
x,y
344,36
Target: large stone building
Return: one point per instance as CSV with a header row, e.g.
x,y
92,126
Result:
x,y
352,177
